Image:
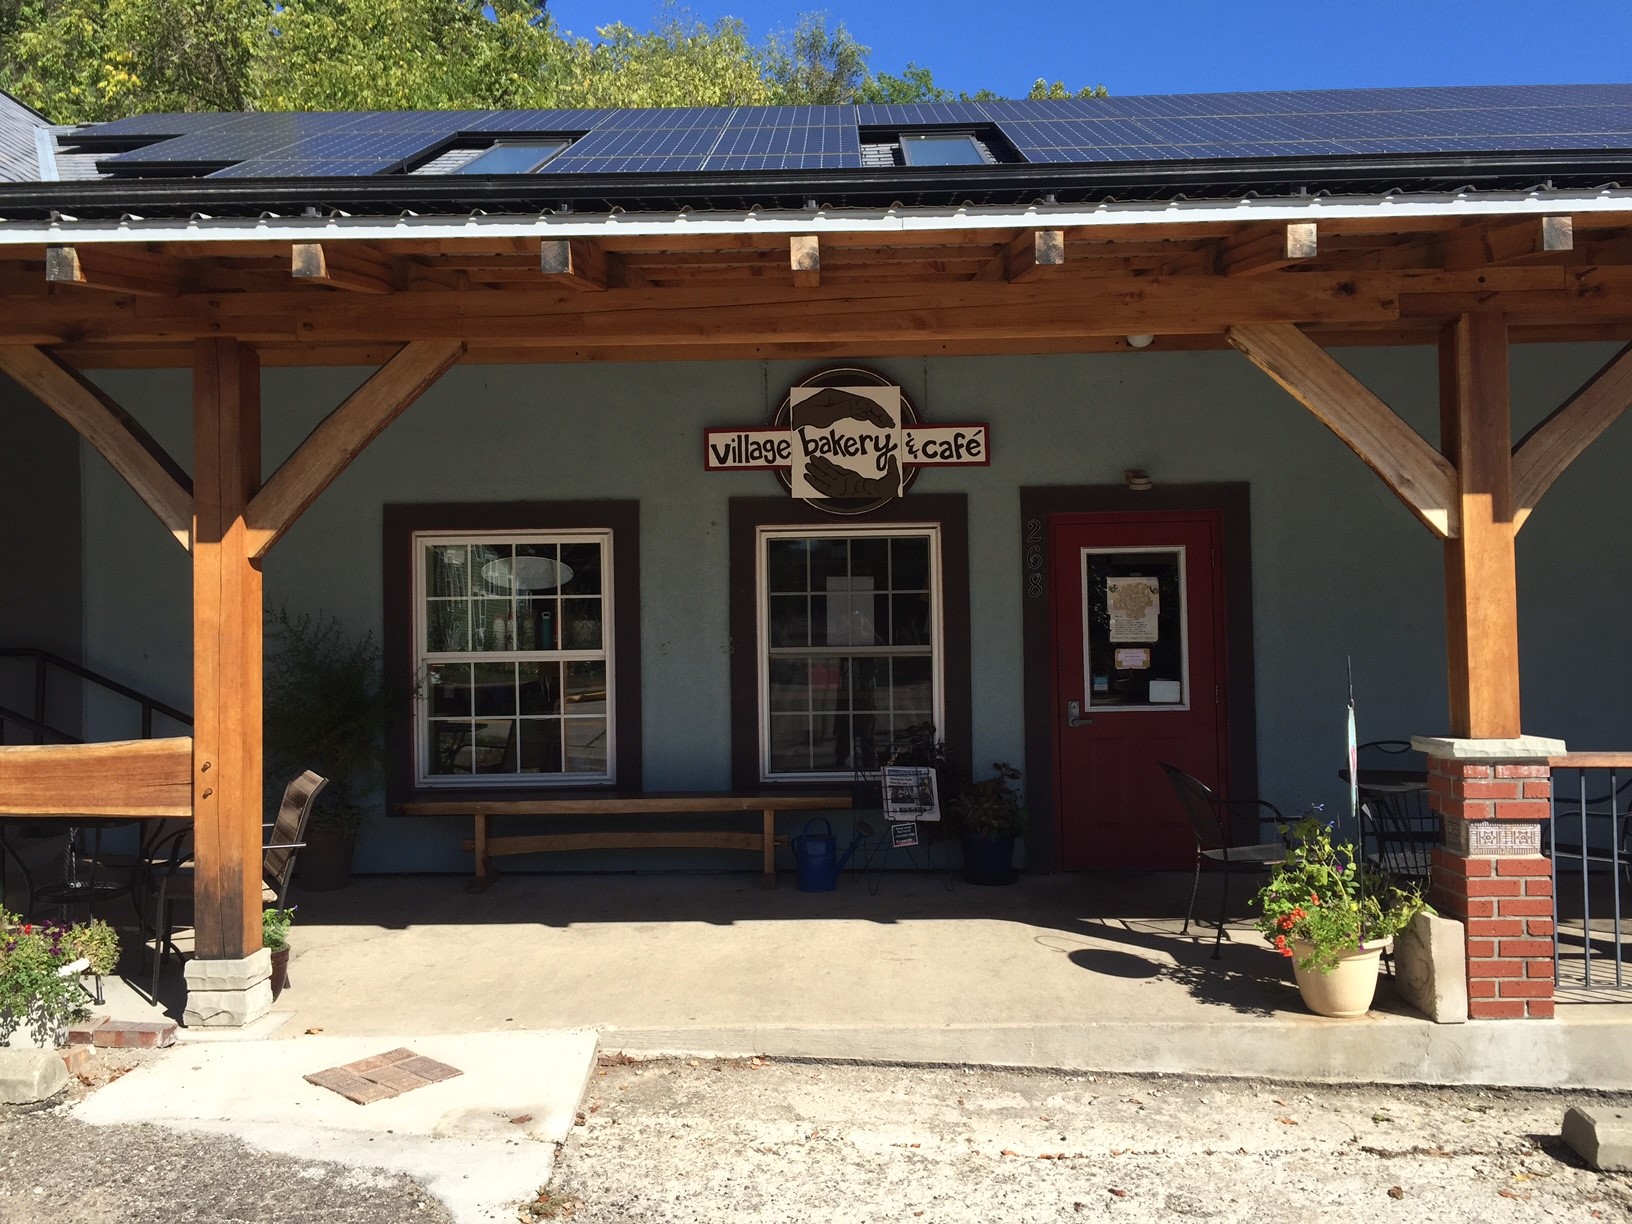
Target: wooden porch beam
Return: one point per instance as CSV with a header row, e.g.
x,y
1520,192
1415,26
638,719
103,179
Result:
x,y
227,646
907,314
342,435
112,269
575,262
145,465
1029,256
1479,243
1269,250
1541,455
805,259
1420,476
1481,583
345,265
150,778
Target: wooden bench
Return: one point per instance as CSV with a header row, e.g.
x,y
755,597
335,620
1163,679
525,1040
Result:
x,y
763,840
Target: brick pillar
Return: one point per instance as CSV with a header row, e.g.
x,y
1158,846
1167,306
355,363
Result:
x,y
1492,798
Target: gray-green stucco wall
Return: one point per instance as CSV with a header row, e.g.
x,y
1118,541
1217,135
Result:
x,y
40,567
1340,568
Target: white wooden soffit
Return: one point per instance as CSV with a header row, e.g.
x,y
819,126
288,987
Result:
x,y
1418,474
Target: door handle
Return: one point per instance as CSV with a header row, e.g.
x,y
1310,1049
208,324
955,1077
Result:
x,y
1073,715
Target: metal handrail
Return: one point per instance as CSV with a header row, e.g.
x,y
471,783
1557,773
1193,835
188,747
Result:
x,y
44,660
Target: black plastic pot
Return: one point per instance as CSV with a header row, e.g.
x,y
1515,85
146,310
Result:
x,y
988,859
325,863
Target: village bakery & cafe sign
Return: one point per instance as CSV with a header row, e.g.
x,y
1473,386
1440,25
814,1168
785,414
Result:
x,y
846,440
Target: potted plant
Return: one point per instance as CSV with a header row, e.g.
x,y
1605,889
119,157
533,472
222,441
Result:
x,y
990,815
40,964
1333,916
275,939
326,709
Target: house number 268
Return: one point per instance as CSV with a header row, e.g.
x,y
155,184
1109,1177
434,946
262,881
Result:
x,y
1034,558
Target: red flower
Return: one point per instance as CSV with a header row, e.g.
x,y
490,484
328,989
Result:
x,y
1314,898
1280,941
1287,952
28,928
1285,922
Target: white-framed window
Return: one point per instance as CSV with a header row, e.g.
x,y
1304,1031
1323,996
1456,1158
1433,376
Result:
x,y
849,645
513,657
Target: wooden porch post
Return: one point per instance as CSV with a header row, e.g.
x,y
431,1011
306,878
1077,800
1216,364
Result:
x,y
1481,593
227,612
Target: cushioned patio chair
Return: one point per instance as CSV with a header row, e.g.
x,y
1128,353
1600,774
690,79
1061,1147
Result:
x,y
1209,818
286,836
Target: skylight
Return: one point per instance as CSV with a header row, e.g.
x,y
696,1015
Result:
x,y
514,157
941,149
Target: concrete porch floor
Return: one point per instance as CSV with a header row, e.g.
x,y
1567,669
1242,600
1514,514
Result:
x,y
1079,972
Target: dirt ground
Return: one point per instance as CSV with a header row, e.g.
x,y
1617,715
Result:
x,y
54,1170
781,1142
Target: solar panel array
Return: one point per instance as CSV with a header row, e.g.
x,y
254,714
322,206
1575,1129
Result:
x,y
1079,131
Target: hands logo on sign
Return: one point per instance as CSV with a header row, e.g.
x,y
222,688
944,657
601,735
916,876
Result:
x,y
847,441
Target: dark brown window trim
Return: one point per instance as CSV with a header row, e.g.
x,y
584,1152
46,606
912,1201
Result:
x,y
948,511
622,518
1036,505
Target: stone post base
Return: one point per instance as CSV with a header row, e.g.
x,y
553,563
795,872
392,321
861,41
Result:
x,y
1493,798
228,993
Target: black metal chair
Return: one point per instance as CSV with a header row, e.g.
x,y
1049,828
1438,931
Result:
x,y
1398,827
286,837
1209,817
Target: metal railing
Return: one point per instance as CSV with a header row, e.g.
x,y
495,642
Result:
x,y
36,727
1588,843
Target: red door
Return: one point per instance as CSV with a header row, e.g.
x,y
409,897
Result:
x,y
1139,674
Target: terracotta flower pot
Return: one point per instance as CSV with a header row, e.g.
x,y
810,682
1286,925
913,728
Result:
x,y
1346,990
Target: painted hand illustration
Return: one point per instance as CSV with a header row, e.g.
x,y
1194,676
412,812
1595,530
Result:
x,y
831,480
832,405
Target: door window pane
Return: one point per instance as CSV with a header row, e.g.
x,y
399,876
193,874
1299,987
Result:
x,y
1134,635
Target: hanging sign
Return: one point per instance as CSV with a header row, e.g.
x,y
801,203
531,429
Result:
x,y
846,435
910,793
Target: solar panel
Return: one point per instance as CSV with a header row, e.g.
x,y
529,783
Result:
x,y
1157,128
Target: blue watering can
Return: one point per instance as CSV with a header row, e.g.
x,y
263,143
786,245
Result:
x,y
816,858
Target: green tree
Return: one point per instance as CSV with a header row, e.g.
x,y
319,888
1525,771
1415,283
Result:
x,y
407,55
681,63
88,60
915,84
815,66
1041,91
80,60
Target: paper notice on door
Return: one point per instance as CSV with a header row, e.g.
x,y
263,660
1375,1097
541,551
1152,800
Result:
x,y
1135,605
1166,692
1132,658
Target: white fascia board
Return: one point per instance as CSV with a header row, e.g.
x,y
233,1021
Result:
x,y
1405,208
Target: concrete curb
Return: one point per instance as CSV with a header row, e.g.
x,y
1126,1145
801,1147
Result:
x,y
1520,1054
28,1075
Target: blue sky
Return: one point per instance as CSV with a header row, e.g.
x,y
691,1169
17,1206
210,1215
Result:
x,y
1177,46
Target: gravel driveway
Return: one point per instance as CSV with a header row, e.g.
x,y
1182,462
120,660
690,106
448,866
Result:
x,y
780,1142
684,1141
